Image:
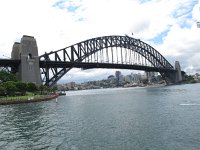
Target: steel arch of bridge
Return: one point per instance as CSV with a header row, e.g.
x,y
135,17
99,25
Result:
x,y
56,64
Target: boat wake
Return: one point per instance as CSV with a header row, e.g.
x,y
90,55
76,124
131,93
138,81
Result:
x,y
190,104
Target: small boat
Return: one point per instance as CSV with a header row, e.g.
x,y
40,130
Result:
x,y
61,93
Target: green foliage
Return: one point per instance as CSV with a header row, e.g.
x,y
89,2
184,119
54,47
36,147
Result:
x,y
188,79
31,87
6,76
41,88
21,87
2,90
7,83
54,88
10,87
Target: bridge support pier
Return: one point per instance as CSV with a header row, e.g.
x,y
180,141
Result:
x,y
178,75
174,77
27,52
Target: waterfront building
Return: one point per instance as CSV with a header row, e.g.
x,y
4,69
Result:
x,y
136,78
127,78
143,77
151,76
61,87
121,78
70,86
117,74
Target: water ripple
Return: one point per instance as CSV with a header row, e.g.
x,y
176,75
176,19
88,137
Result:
x,y
134,118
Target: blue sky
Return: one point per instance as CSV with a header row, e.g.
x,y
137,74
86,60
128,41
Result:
x,y
70,7
167,25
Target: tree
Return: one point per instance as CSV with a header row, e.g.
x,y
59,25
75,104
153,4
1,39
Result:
x,y
2,90
21,87
10,87
189,79
6,76
54,88
31,87
42,88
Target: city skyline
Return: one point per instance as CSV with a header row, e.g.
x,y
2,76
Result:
x,y
169,26
97,75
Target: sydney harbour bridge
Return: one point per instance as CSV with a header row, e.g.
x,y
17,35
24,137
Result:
x,y
116,52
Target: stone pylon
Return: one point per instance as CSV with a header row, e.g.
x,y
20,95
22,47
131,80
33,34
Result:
x,y
27,52
176,76
178,72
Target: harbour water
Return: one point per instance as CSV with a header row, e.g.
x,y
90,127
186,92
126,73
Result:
x,y
148,118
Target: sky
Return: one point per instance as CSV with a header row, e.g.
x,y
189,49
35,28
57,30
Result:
x,y
167,25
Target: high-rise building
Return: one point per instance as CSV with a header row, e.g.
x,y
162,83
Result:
x,y
118,74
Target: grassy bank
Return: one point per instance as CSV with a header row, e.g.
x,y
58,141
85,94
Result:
x,y
26,99
27,96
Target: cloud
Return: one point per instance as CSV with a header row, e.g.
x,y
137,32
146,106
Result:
x,y
167,25
183,44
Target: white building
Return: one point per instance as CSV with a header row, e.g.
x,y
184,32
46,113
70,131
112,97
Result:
x,y
127,78
121,78
136,77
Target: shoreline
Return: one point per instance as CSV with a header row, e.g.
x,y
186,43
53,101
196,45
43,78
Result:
x,y
46,98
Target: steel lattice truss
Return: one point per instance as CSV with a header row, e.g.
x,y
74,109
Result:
x,y
122,52
9,65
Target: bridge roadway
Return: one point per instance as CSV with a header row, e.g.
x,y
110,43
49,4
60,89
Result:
x,y
61,64
6,63
85,65
9,62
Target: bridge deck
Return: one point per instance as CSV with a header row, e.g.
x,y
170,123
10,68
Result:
x,y
84,65
56,64
9,63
